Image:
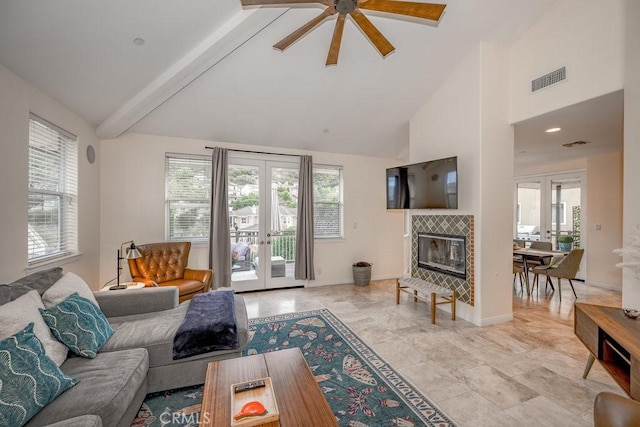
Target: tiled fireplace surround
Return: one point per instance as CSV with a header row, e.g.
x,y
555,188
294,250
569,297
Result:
x,y
457,225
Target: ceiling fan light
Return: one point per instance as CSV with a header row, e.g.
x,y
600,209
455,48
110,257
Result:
x,y
345,6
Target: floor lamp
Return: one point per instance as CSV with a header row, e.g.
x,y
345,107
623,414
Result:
x,y
132,253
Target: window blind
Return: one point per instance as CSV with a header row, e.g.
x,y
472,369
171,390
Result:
x,y
53,175
187,197
327,200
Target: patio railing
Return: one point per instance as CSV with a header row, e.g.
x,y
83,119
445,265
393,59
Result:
x,y
283,243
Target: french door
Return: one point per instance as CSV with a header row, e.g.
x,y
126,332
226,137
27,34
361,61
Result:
x,y
550,206
262,195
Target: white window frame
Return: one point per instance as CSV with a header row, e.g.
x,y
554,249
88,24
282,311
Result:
x,y
339,203
52,215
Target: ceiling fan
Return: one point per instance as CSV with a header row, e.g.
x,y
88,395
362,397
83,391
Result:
x,y
342,8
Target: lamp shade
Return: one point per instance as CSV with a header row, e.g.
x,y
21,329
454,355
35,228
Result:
x,y
132,253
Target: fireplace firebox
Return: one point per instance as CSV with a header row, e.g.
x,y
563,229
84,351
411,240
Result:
x,y
443,253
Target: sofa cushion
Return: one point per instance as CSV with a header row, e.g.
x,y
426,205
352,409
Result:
x,y
16,315
29,379
155,332
108,385
79,324
39,281
81,421
63,288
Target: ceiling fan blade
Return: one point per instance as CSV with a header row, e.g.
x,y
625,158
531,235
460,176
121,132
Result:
x,y
283,2
430,11
376,37
334,50
291,38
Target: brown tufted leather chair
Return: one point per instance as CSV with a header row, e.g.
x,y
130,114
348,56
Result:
x,y
165,264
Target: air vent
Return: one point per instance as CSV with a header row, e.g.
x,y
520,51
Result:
x,y
549,79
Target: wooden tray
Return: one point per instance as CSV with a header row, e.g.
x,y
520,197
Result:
x,y
264,395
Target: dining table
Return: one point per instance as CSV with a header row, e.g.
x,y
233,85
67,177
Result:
x,y
542,256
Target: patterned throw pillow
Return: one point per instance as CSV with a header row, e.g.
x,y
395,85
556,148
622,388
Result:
x,y
78,324
29,379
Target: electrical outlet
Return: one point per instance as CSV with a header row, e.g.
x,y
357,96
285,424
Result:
x,y
598,227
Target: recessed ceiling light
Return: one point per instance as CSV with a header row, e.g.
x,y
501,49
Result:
x,y
138,41
551,130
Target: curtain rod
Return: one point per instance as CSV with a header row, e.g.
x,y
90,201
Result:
x,y
256,152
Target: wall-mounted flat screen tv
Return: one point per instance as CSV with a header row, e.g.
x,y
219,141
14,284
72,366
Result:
x,y
426,185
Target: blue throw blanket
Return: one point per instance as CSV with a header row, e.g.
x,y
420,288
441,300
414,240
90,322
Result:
x,y
209,325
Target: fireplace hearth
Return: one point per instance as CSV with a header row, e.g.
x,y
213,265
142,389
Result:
x,y
443,253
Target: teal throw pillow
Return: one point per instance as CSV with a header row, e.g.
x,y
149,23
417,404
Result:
x,y
79,324
29,379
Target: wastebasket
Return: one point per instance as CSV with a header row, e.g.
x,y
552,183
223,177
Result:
x,y
361,273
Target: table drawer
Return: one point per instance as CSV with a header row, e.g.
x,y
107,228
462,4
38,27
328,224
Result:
x,y
587,330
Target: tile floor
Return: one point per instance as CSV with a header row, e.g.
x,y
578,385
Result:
x,y
524,372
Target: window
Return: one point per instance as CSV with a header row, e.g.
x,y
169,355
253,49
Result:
x,y
188,193
187,197
327,198
53,175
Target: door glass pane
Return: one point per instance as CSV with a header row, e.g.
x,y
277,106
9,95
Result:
x,y
283,221
565,211
528,211
244,209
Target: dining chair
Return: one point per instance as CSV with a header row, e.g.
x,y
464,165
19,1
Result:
x,y
565,269
533,263
541,246
518,271
613,410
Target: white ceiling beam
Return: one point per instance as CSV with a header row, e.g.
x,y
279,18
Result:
x,y
222,42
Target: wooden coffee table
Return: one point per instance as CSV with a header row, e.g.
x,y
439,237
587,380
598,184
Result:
x,y
300,400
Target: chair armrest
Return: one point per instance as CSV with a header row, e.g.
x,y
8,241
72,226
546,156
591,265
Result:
x,y
137,301
204,276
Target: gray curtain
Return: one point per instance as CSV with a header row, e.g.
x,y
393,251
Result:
x,y
304,232
219,233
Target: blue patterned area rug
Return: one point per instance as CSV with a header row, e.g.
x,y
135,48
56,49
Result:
x,y
361,388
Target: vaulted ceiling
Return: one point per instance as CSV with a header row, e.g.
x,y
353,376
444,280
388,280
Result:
x,y
207,68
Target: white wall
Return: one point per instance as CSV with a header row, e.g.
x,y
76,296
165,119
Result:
x,y
496,187
604,208
467,116
586,36
18,98
137,211
631,283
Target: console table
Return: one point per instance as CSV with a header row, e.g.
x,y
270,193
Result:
x,y
614,340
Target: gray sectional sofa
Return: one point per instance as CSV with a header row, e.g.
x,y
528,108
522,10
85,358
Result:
x,y
136,360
